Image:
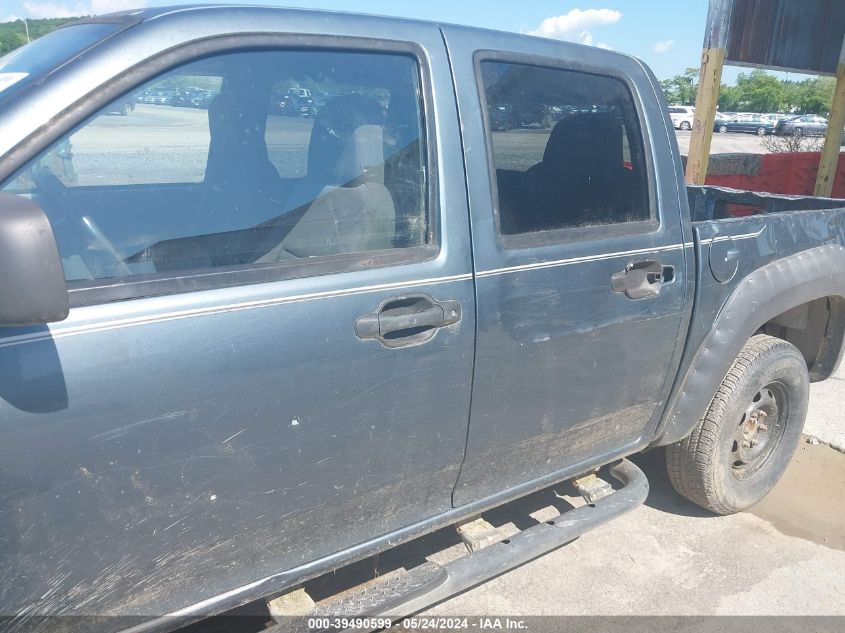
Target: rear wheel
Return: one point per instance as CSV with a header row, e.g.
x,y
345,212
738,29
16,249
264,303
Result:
x,y
723,129
126,109
685,125
798,132
761,131
739,451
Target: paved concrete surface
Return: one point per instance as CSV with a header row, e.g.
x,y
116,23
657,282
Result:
x,y
671,558
728,143
785,557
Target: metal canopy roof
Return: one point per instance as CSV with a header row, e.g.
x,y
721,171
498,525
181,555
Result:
x,y
795,35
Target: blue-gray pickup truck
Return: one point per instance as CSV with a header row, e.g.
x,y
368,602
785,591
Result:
x,y
240,349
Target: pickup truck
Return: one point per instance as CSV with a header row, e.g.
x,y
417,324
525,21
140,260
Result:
x,y
240,350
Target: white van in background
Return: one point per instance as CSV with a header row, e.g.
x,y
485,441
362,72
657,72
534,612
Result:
x,y
682,117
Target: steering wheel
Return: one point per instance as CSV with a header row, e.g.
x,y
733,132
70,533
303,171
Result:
x,y
82,230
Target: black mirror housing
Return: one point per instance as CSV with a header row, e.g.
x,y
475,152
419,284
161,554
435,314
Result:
x,y
32,281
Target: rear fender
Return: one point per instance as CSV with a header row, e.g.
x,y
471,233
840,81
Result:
x,y
764,294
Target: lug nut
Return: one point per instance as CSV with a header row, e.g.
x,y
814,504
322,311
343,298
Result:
x,y
753,443
762,427
746,445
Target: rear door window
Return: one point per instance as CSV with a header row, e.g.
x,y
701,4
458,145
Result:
x,y
570,153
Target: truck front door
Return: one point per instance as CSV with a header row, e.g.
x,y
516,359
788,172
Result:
x,y
269,352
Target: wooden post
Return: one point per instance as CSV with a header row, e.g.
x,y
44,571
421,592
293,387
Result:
x,y
833,138
709,82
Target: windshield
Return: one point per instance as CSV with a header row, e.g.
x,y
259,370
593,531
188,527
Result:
x,y
21,66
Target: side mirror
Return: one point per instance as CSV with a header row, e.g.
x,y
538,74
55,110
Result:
x,y
32,282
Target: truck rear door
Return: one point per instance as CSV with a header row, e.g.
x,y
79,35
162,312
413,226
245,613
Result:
x,y
579,257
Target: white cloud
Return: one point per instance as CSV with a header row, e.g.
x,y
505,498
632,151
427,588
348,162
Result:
x,y
606,47
574,26
62,10
9,18
663,47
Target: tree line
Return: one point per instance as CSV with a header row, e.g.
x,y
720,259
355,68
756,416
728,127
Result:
x,y
757,91
13,34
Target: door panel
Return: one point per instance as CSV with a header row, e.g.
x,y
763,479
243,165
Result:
x,y
162,451
246,438
569,368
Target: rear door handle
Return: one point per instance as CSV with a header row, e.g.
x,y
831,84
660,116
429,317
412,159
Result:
x,y
405,321
642,279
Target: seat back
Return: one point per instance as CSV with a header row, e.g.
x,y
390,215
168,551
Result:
x,y
581,179
241,184
333,125
355,216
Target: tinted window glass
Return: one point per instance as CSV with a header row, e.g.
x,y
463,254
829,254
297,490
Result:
x,y
29,62
245,158
567,148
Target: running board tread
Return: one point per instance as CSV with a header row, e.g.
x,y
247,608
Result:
x,y
430,583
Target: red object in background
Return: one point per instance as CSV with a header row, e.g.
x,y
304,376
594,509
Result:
x,y
793,173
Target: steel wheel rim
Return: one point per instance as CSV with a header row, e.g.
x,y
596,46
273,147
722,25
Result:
x,y
760,430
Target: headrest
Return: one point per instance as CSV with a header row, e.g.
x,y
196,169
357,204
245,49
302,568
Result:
x,y
233,123
332,127
237,145
586,136
362,159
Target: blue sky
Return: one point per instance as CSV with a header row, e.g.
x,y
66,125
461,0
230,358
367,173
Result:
x,y
666,34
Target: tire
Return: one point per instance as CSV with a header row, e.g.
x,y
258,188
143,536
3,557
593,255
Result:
x,y
126,109
723,129
685,126
729,462
798,132
761,131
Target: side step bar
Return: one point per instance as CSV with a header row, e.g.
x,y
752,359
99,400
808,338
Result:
x,y
430,583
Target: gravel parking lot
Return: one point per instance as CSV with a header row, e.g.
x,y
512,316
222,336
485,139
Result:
x,y
162,144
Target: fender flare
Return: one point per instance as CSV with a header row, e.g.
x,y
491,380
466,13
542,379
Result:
x,y
762,295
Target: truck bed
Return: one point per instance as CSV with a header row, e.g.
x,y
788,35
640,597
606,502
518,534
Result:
x,y
721,203
749,247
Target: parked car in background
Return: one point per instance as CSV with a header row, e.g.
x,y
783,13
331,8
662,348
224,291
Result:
x,y
758,125
182,98
682,117
298,102
719,120
160,97
202,99
123,106
806,125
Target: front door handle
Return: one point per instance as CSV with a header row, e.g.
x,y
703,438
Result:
x,y
405,321
642,279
